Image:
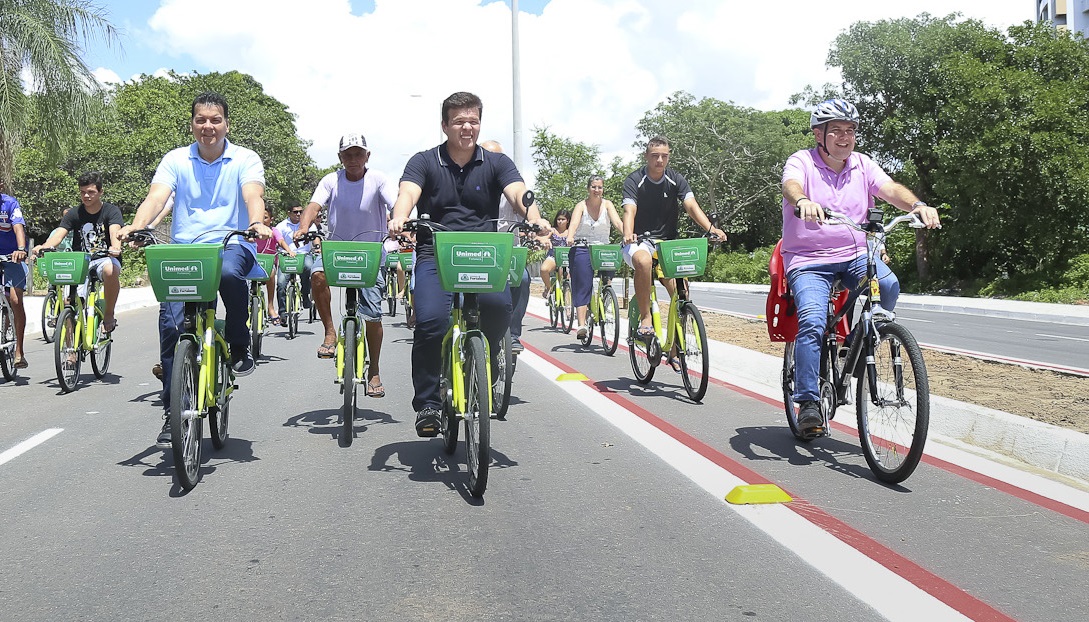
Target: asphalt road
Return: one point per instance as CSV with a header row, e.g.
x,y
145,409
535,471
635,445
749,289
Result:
x,y
605,502
1046,342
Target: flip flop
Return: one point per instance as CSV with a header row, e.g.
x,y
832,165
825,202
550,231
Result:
x,y
375,390
108,326
20,363
274,321
675,363
327,350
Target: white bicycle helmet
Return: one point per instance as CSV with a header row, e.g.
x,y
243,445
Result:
x,y
834,110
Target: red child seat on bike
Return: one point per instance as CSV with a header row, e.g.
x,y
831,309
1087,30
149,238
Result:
x,y
781,314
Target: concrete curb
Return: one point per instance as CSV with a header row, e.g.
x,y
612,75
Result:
x,y
1040,445
1077,315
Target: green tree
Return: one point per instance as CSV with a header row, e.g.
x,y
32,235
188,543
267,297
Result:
x,y
733,159
563,168
992,124
44,38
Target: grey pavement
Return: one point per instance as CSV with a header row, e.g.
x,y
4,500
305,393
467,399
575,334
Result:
x,y
1042,446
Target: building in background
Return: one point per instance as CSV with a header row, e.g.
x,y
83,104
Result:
x,y
1072,15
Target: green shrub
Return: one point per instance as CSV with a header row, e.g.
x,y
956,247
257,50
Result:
x,y
739,267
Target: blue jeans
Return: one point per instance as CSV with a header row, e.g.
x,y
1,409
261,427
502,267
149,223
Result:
x,y
304,279
234,290
433,305
811,287
519,299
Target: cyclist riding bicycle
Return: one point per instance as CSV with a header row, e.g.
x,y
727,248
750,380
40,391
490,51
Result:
x,y
13,242
287,228
652,196
95,225
457,184
591,220
217,187
359,200
831,176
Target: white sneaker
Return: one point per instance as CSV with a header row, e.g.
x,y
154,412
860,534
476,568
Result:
x,y
582,332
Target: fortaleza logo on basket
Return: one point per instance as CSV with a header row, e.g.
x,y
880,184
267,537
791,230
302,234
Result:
x,y
472,256
682,254
182,271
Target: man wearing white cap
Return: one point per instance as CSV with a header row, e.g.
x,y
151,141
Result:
x,y
359,201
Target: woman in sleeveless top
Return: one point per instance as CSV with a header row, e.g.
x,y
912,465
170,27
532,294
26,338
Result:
x,y
560,223
591,220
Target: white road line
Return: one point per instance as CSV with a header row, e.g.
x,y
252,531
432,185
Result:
x,y
29,444
894,597
1061,337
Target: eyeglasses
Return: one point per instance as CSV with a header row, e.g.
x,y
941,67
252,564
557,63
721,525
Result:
x,y
849,132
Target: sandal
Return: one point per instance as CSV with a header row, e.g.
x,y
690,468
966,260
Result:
x,y
645,332
327,350
108,326
375,390
20,363
675,363
274,321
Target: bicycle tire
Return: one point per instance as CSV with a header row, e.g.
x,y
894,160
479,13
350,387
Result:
x,y
391,295
7,353
219,415
450,423
568,312
787,381
292,309
49,314
477,416
101,353
640,353
891,428
695,362
503,377
185,426
348,386
553,307
66,353
256,334
313,310
610,321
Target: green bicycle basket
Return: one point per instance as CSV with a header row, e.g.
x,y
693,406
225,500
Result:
x,y
293,265
518,264
392,259
407,260
184,272
66,268
473,262
351,264
267,261
561,255
682,258
605,257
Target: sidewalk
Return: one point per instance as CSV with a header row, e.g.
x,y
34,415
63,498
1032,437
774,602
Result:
x,y
1026,441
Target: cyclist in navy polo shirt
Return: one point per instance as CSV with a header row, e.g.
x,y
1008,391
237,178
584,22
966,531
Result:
x,y
459,185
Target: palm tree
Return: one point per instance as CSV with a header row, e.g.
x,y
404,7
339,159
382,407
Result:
x,y
43,80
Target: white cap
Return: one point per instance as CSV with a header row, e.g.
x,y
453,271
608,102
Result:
x,y
353,139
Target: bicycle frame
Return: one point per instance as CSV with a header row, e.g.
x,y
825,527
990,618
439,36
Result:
x,y
353,322
464,320
200,320
672,329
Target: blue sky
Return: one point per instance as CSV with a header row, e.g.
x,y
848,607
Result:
x,y
590,68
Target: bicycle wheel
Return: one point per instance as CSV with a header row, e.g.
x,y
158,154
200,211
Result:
x,y
219,415
66,352
256,320
787,380
894,415
7,334
102,349
348,385
610,321
567,316
554,318
185,418
502,377
695,362
477,417
642,354
313,311
391,295
49,316
292,300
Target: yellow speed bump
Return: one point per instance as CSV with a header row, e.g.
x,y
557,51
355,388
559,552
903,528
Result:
x,y
757,493
577,377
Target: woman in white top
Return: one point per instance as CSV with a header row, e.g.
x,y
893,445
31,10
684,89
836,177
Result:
x,y
591,220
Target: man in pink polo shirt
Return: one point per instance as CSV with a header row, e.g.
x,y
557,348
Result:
x,y
831,176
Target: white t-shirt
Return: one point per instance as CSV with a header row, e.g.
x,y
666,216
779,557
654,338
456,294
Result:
x,y
358,210
288,229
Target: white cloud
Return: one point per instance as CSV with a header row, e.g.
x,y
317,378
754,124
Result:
x,y
590,68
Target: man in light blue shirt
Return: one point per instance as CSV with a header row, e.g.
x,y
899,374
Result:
x,y
217,187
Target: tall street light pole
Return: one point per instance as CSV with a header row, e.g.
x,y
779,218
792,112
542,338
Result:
x,y
516,85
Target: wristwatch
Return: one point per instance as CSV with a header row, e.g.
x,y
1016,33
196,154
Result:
x,y
919,204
